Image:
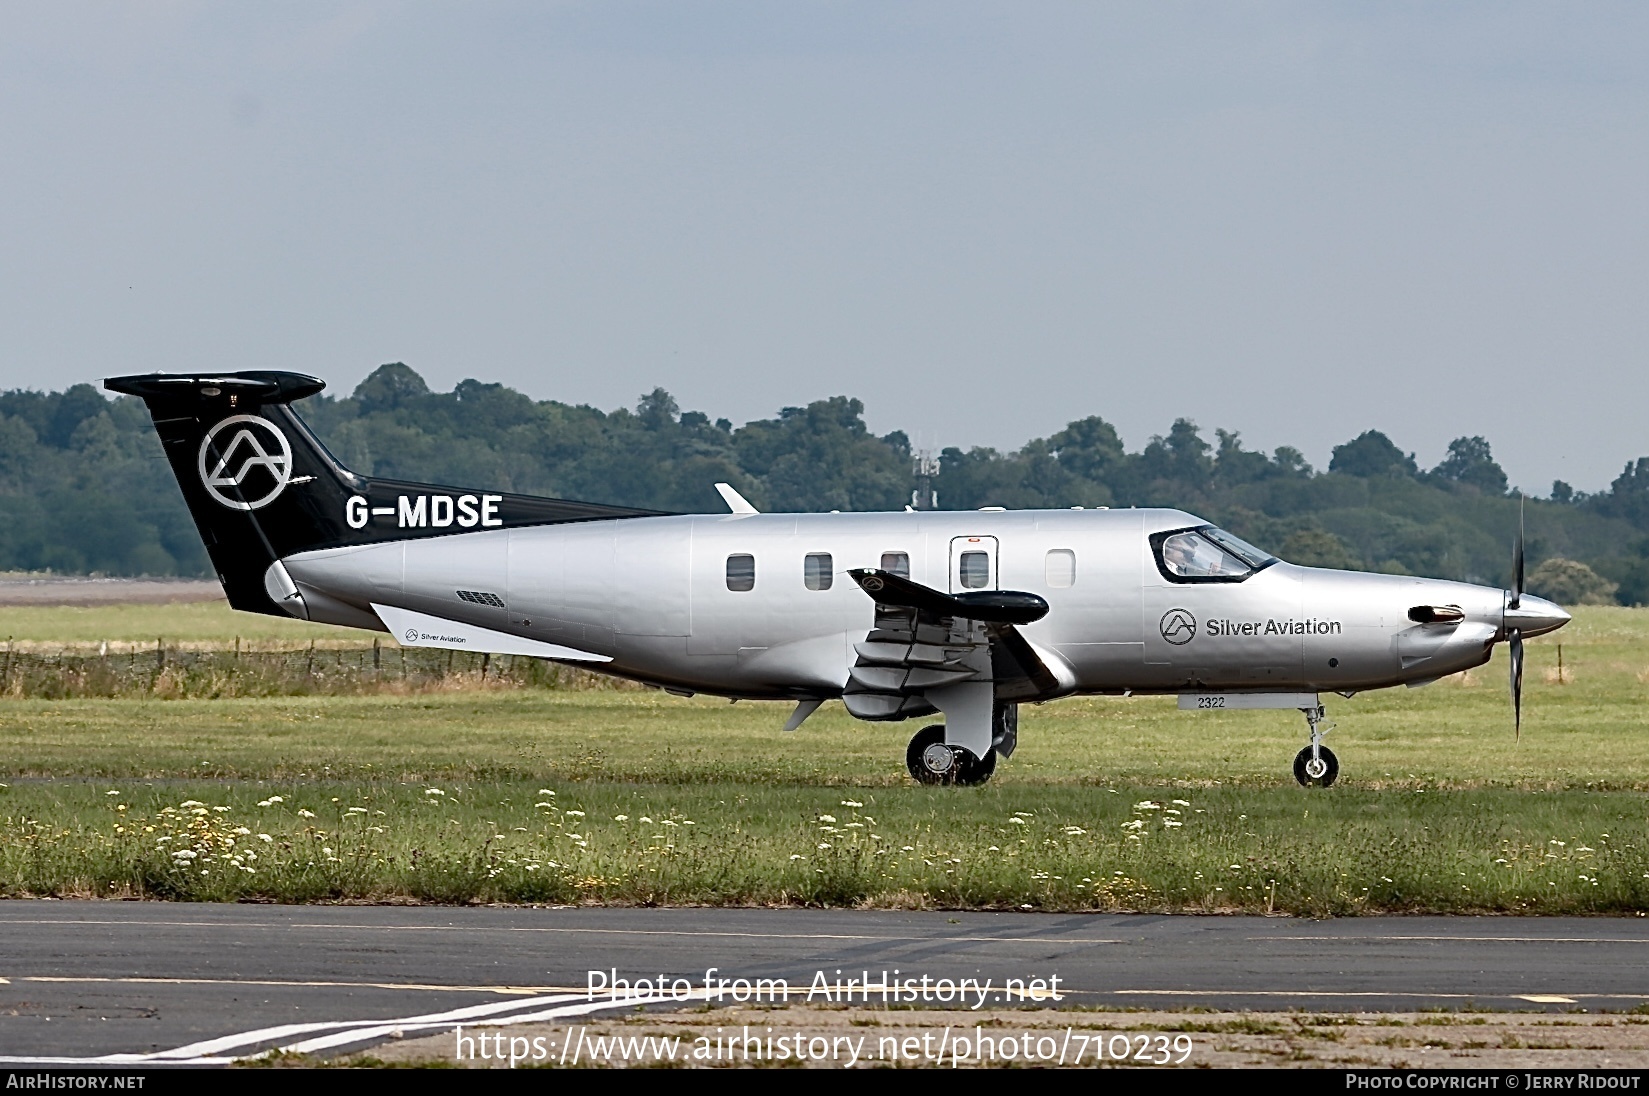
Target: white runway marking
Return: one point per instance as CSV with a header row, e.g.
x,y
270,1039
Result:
x,y
211,1052
421,986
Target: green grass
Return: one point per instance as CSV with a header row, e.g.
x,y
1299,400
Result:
x,y
1438,807
182,622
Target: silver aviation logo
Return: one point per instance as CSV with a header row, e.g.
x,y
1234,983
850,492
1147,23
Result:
x,y
1178,626
253,444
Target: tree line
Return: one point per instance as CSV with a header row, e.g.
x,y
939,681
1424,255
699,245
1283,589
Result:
x,y
84,486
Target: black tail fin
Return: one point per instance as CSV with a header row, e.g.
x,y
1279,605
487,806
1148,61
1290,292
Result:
x,y
262,487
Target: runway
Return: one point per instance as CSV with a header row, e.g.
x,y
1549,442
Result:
x,y
83,979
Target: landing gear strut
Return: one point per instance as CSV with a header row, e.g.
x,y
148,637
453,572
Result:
x,y
931,761
1316,765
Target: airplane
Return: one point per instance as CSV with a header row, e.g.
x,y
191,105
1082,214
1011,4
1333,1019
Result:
x,y
963,614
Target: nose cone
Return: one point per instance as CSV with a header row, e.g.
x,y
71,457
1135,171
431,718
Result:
x,y
1535,616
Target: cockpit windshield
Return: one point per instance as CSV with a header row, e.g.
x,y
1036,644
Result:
x,y
1209,555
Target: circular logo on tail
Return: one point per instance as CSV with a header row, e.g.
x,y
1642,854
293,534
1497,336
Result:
x,y
1179,627
245,462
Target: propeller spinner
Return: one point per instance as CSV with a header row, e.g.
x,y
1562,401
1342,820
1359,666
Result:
x,y
1525,616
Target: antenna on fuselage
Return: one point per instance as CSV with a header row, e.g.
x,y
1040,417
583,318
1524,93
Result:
x,y
925,466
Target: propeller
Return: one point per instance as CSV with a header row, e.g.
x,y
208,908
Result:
x,y
1515,635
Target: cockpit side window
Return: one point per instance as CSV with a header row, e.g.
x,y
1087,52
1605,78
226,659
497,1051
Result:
x,y
1207,554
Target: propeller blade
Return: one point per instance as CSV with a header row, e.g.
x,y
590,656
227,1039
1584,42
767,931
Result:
x,y
1516,647
1517,561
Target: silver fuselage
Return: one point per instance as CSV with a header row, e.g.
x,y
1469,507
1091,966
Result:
x,y
653,595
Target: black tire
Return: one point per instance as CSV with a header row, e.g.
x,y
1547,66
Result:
x,y
1329,774
930,761
972,771
917,758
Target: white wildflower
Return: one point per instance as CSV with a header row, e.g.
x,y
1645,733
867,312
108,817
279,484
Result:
x,y
306,814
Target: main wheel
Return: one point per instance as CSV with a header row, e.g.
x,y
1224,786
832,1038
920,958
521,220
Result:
x,y
972,771
1320,772
931,761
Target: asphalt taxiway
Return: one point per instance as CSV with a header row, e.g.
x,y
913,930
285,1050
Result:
x,y
203,982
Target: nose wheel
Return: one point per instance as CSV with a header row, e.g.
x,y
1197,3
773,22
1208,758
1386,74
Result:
x,y
1318,771
931,761
1316,766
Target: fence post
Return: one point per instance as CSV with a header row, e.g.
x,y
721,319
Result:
x,y
375,655
486,660
160,654
309,663
5,677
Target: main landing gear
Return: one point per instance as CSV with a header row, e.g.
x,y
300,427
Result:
x,y
931,761
1316,765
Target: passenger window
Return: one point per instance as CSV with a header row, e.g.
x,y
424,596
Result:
x,y
1061,568
896,563
741,573
817,571
976,570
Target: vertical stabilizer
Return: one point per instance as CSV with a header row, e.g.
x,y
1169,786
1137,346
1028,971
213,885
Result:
x,y
261,487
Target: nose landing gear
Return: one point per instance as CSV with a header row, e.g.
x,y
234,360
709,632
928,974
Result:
x,y
931,761
1316,765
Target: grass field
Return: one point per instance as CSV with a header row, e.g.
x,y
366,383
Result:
x,y
181,623
524,794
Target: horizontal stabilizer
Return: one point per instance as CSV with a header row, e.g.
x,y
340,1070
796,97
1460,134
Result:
x,y
422,630
989,606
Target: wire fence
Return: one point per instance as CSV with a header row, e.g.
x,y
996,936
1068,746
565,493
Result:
x,y
164,672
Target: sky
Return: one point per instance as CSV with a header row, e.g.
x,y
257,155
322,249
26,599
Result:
x,y
1297,221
